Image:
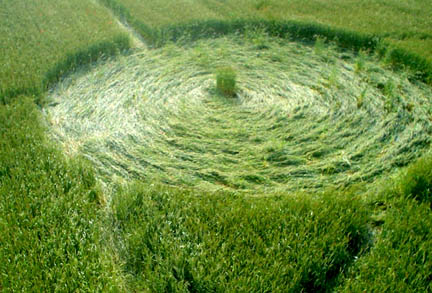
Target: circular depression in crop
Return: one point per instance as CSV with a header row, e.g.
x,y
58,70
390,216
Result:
x,y
304,117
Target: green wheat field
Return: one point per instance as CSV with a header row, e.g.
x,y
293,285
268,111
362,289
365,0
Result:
x,y
215,146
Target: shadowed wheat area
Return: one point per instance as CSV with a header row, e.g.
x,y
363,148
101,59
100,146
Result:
x,y
303,117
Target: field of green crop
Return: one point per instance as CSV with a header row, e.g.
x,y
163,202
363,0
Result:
x,y
42,40
125,168
390,19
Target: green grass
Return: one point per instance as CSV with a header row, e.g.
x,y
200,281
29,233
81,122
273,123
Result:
x,y
50,213
416,183
397,20
216,202
42,41
226,81
400,258
405,26
183,241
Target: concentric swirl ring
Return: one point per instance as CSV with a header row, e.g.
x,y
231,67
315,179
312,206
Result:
x,y
304,117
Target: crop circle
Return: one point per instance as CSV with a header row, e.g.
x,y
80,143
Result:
x,y
303,118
